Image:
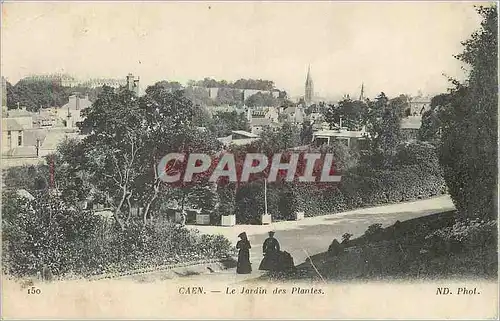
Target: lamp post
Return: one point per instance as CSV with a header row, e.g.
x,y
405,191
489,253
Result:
x,y
265,196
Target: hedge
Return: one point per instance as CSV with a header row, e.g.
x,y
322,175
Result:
x,y
360,188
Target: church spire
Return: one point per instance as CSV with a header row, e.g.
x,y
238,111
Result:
x,y
309,90
362,94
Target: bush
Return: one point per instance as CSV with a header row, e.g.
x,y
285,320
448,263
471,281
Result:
x,y
335,248
421,154
346,237
374,231
47,232
470,233
43,232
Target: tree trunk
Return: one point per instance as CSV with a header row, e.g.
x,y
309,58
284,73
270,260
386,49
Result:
x,y
129,208
182,201
148,205
118,210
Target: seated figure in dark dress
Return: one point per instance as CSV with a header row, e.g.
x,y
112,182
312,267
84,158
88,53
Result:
x,y
271,251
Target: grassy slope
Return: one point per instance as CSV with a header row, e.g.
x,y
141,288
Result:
x,y
400,252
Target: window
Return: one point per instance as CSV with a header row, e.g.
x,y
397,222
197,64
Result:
x,y
321,141
20,138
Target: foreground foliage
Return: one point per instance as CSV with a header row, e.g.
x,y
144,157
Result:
x,y
46,232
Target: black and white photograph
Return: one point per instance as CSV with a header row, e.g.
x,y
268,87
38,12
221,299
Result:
x,y
249,160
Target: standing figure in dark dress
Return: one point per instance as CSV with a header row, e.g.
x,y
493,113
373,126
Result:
x,y
271,249
243,266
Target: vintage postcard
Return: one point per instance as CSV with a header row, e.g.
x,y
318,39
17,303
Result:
x,y
249,160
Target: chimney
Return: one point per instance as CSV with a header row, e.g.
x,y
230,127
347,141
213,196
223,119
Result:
x,y
136,86
130,82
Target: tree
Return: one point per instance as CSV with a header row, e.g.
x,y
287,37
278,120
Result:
x,y
171,86
199,96
352,113
12,97
229,96
468,151
306,133
384,126
278,141
34,94
117,126
225,122
432,119
70,175
262,100
29,177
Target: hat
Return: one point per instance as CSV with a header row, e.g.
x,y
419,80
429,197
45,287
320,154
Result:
x,y
271,232
242,235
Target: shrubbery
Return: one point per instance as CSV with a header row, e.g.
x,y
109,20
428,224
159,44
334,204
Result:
x,y
473,233
46,232
415,174
357,189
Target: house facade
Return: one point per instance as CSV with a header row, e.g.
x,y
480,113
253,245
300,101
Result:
x,y
352,139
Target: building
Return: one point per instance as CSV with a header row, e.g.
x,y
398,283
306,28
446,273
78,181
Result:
x,y
64,80
110,82
4,91
270,113
315,117
21,116
410,127
133,84
419,104
46,119
12,134
71,112
295,115
212,92
226,109
238,138
309,88
258,125
28,136
352,139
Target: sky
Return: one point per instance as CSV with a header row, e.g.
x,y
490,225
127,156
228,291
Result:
x,y
395,47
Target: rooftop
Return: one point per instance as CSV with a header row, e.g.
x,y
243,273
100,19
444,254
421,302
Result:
x,y
16,113
10,124
260,122
243,141
245,133
340,133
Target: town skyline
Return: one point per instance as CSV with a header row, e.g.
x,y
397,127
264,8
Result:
x,y
255,42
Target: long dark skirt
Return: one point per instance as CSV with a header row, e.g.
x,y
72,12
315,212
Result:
x,y
244,266
277,261
269,262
